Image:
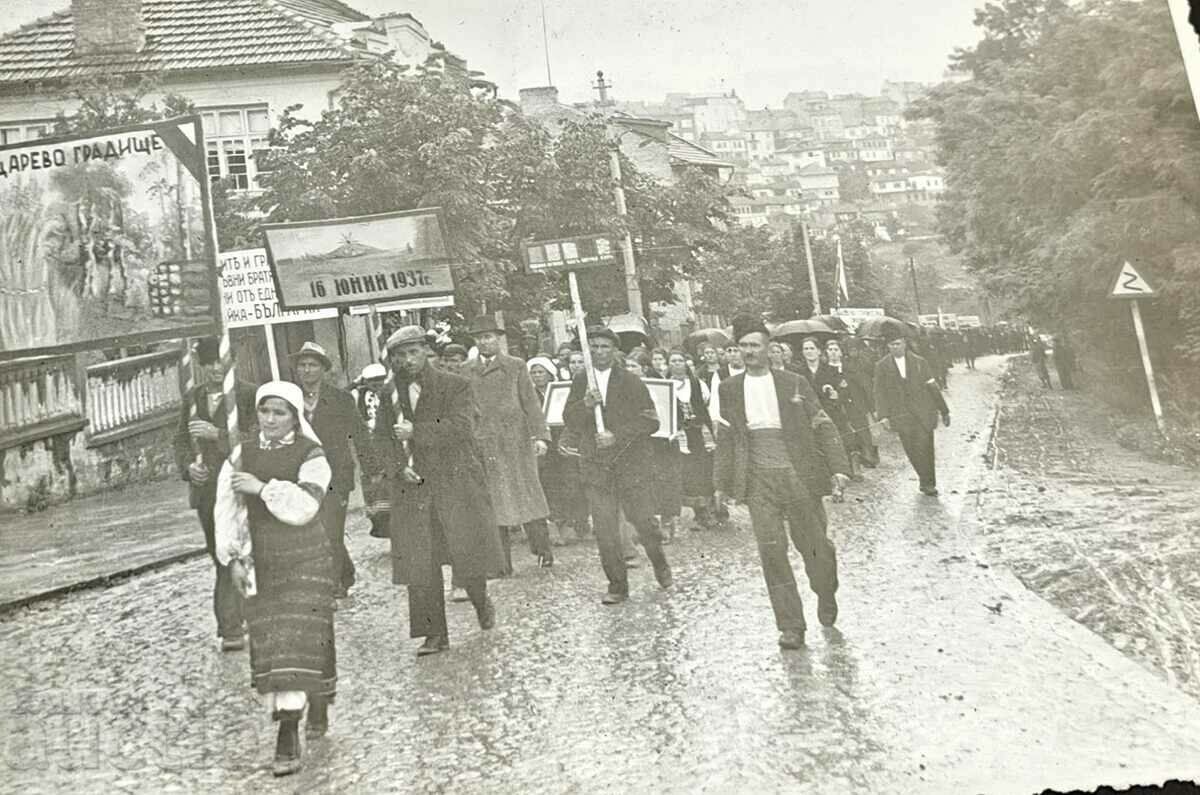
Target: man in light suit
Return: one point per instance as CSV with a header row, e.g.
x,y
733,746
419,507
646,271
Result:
x,y
908,401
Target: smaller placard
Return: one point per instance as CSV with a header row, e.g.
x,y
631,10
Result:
x,y
569,254
662,392
555,401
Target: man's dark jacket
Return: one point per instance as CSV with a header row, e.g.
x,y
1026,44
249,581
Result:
x,y
813,444
630,416
913,401
214,452
337,422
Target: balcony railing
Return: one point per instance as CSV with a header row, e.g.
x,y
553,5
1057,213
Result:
x,y
38,398
132,395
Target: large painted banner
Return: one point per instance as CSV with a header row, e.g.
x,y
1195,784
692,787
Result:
x,y
106,240
364,259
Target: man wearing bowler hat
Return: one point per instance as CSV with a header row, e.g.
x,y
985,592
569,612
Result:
x,y
441,509
616,464
335,419
512,435
908,401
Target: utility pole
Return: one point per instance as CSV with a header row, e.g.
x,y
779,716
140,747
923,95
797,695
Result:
x,y
812,271
633,289
912,267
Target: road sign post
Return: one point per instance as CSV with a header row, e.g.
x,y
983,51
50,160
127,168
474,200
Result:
x,y
1131,285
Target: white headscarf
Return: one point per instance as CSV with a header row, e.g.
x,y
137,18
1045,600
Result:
x,y
545,363
294,397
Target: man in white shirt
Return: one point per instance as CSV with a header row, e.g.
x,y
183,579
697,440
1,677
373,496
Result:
x,y
780,453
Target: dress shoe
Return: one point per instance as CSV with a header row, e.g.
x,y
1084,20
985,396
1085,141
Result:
x,y
611,598
317,722
791,639
287,748
662,573
929,492
432,645
235,643
459,595
827,610
486,614
545,561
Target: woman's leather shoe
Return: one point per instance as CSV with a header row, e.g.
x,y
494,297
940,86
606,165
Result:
x,y
287,748
317,723
432,645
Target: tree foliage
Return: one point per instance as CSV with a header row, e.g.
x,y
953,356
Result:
x,y
1075,146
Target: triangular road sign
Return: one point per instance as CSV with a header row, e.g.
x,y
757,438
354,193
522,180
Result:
x,y
1131,284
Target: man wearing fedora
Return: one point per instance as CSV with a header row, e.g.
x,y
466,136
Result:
x,y
512,435
441,509
334,417
908,402
780,454
616,465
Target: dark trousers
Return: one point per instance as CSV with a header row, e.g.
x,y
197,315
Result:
x,y
538,533
227,602
776,496
606,503
333,516
427,603
918,446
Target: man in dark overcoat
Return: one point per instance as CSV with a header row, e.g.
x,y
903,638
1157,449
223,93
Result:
x,y
512,435
780,454
908,402
334,417
441,509
616,465
203,434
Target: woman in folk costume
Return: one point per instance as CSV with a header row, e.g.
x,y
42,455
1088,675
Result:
x,y
269,533
695,439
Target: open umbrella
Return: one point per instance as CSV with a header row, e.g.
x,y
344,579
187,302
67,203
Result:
x,y
802,328
880,327
833,321
632,330
713,336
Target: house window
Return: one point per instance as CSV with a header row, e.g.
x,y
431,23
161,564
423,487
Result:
x,y
233,137
15,132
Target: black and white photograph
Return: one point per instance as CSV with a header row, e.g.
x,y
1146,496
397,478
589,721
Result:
x,y
543,396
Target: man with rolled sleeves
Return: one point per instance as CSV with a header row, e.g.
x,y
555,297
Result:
x,y
780,454
441,509
616,464
908,401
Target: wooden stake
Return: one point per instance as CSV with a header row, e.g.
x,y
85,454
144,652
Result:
x,y
577,303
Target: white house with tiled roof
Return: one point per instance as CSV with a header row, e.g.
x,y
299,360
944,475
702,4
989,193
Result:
x,y
241,62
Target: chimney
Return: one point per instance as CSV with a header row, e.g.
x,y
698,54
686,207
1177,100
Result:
x,y
105,27
538,100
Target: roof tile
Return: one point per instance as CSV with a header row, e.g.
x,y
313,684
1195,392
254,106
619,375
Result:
x,y
183,35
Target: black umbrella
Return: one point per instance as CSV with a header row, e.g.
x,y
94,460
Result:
x,y
713,336
833,321
802,328
881,327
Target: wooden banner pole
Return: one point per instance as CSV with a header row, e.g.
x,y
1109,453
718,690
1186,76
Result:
x,y
272,354
577,303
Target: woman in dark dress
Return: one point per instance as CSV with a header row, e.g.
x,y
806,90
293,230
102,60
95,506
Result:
x,y
825,381
668,488
558,473
695,439
269,533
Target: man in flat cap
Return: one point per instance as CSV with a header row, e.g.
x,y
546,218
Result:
x,y
908,402
616,465
335,419
512,435
780,454
201,446
367,392
441,509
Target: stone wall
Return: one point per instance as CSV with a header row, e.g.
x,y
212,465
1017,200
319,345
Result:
x,y
63,467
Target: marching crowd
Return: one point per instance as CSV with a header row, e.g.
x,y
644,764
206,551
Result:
x,y
456,457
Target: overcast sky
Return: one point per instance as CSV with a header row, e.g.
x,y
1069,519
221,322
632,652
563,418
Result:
x,y
761,48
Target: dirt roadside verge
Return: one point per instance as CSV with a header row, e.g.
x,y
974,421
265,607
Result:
x,y
1105,534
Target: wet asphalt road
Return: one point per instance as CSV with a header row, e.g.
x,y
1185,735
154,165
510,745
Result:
x,y
945,675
